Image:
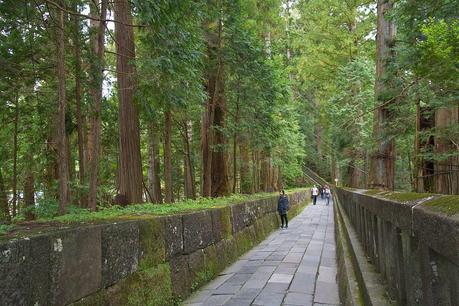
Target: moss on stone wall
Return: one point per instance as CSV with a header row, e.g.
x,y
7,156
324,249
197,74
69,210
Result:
x,y
397,196
448,205
405,196
152,243
225,221
150,287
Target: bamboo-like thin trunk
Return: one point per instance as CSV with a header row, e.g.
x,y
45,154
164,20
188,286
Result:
x,y
154,181
169,194
15,158
29,190
64,191
245,180
78,95
234,163
190,191
418,177
98,48
5,215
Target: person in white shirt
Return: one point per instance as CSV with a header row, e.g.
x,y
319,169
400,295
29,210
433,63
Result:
x,y
315,193
327,194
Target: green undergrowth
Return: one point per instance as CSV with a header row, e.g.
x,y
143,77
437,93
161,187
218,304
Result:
x,y
139,211
448,204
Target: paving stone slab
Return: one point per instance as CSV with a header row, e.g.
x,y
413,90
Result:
x,y
326,293
281,278
301,299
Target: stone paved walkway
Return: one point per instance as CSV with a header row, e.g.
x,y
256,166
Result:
x,y
295,266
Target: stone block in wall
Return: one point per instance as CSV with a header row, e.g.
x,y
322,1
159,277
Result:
x,y
396,212
197,231
180,276
173,235
217,224
120,251
152,241
238,217
71,251
226,253
25,266
196,262
438,231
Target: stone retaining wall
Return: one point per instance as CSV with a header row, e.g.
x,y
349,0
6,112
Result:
x,y
414,248
148,261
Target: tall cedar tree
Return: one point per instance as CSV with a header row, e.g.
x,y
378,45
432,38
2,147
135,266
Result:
x,y
382,171
130,167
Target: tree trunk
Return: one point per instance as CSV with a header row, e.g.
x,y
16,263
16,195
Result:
x,y
418,172
382,170
29,190
255,172
265,173
280,182
319,143
245,180
214,180
130,172
169,198
97,48
78,94
154,182
5,213
190,191
234,163
15,159
64,192
220,180
446,168
424,167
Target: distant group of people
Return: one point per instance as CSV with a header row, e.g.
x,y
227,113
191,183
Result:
x,y
323,191
283,203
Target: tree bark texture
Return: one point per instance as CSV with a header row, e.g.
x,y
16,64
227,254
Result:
x,y
446,167
130,171
245,180
382,170
81,125
423,171
64,191
5,214
190,190
214,180
219,168
15,159
97,64
154,182
29,191
169,194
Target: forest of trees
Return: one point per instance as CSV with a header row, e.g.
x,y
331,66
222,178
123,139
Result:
x,y
117,102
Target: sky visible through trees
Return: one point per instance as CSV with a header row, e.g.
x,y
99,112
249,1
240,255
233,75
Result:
x,y
114,102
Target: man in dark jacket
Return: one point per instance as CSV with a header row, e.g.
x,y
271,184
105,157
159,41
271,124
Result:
x,y
282,208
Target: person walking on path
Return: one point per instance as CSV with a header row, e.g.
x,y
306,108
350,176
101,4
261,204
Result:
x,y
282,208
322,191
315,193
327,194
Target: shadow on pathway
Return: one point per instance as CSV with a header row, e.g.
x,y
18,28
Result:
x,y
294,266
